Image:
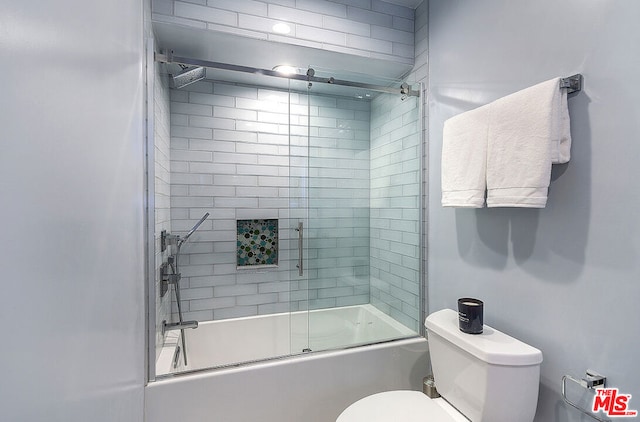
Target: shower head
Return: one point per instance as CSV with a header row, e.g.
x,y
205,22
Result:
x,y
194,228
188,76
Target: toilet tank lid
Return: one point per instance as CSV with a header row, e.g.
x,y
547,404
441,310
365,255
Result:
x,y
492,346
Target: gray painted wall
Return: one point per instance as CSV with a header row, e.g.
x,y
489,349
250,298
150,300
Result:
x,y
71,183
566,278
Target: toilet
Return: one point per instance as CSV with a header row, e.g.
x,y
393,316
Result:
x,y
488,377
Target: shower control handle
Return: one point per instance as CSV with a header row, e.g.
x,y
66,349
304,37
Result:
x,y
300,231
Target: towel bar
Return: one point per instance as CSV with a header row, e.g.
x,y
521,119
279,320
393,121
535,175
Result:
x,y
591,381
572,83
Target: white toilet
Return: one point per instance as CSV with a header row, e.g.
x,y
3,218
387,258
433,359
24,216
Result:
x,y
488,377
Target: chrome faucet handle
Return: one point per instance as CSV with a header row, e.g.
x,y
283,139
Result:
x,y
172,278
167,239
166,278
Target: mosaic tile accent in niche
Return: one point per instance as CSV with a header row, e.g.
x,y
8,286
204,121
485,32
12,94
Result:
x,y
257,242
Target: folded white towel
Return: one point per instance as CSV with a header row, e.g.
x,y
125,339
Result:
x,y
561,134
528,131
506,148
464,159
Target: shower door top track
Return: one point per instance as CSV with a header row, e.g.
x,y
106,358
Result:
x,y
169,58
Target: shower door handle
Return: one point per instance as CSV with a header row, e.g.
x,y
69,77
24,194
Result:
x,y
300,249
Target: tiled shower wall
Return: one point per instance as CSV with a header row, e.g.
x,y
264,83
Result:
x,y
338,195
230,156
395,201
162,138
368,28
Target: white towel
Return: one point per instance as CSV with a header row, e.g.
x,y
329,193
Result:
x,y
528,131
464,159
506,148
561,134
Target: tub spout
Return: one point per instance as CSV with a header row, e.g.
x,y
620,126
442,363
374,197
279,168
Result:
x,y
168,326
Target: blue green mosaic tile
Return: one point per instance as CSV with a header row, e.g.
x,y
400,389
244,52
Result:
x,y
257,242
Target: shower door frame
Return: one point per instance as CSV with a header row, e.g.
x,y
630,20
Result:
x,y
149,215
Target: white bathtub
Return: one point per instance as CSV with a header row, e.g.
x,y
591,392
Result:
x,y
304,387
228,342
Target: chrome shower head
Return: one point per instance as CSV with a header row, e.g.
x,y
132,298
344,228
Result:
x,y
188,76
186,237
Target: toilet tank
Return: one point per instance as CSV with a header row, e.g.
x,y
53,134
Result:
x,y
488,377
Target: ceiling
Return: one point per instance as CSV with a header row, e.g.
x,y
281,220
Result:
x,y
221,47
230,48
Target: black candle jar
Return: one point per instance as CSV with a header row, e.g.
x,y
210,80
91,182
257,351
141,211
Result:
x,y
470,317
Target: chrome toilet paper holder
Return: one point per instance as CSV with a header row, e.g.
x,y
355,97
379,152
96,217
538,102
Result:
x,y
591,381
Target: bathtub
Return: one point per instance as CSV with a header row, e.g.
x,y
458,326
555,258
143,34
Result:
x,y
297,387
228,342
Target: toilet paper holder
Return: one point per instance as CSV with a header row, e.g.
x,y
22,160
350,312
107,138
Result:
x,y
591,381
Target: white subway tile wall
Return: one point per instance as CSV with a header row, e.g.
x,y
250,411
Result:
x,y
395,200
162,145
338,200
240,167
367,28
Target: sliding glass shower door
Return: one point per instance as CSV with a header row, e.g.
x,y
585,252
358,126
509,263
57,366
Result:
x,y
355,191
299,129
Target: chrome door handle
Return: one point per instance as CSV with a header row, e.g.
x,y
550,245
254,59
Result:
x,y
300,231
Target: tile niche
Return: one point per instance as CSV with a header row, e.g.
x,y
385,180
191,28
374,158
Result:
x,y
257,244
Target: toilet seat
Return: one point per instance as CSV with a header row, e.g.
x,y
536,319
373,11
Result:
x,y
400,406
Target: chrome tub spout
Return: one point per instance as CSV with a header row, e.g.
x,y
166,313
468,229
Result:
x,y
168,326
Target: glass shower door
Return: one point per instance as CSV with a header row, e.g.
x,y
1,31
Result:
x,y
338,232
362,231
298,221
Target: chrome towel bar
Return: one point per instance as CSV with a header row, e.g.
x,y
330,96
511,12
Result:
x,y
592,381
572,83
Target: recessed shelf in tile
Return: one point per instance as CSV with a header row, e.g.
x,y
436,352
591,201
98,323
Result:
x,y
257,244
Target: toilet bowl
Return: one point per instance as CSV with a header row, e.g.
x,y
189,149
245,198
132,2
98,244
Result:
x,y
401,405
488,377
